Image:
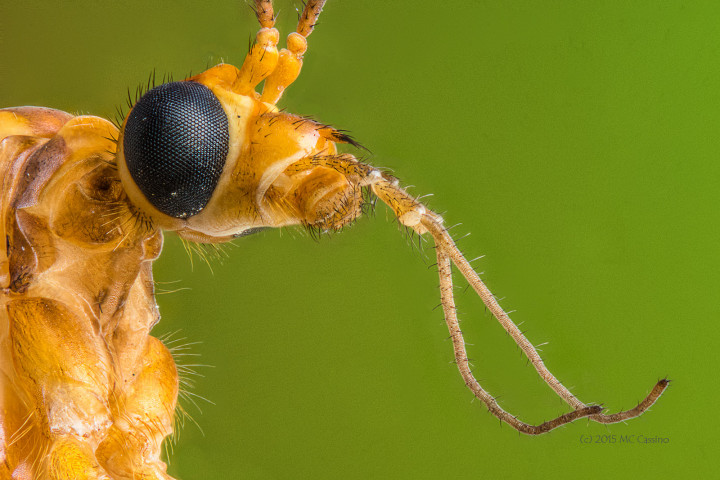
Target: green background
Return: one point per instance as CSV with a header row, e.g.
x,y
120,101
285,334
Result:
x,y
577,141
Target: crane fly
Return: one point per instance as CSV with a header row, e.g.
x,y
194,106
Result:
x,y
85,391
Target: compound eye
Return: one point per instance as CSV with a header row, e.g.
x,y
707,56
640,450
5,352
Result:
x,y
175,145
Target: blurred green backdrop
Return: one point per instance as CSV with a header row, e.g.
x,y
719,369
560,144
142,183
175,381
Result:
x,y
577,141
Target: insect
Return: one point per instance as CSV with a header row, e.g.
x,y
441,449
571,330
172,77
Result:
x,y
89,393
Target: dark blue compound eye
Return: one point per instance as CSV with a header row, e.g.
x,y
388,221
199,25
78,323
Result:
x,y
175,144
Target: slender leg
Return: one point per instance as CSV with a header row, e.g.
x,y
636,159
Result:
x,y
445,243
413,214
448,303
290,61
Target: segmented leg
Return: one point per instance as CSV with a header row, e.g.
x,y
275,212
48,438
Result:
x,y
448,303
444,243
290,60
413,214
